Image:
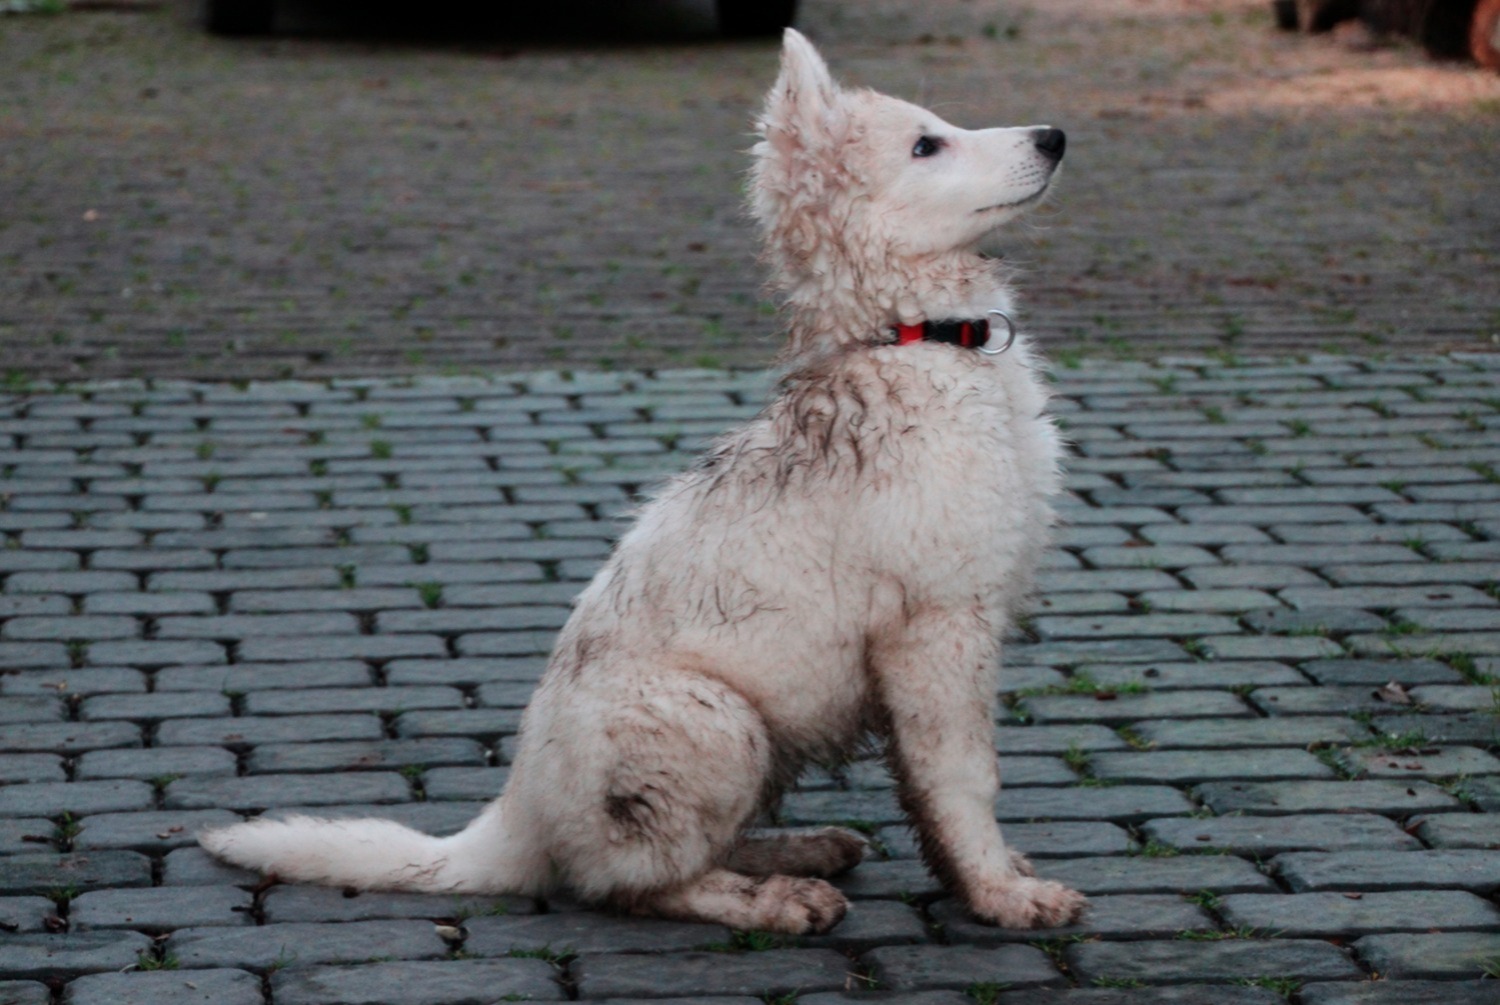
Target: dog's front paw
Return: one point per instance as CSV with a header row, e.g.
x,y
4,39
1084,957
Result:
x,y
1025,902
807,906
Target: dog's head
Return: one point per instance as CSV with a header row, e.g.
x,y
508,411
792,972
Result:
x,y
871,178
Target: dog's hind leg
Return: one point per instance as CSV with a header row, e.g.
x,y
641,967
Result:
x,y
789,904
823,852
936,682
658,802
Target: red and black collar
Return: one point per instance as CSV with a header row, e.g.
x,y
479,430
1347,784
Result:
x,y
968,333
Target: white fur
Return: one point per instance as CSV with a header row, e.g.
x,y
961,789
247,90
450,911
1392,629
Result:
x,y
841,567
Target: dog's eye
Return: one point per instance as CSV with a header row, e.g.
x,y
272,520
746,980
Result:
x,y
927,146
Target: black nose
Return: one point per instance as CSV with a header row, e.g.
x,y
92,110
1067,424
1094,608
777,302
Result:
x,y
1051,142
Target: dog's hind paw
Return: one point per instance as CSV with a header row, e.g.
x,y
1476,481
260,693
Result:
x,y
1028,903
843,850
823,852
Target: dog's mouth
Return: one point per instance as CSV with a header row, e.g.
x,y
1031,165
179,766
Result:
x,y
1024,201
1034,197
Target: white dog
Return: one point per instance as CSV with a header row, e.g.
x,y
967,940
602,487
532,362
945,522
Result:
x,y
843,566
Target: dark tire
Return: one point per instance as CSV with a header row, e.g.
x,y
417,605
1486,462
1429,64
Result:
x,y
1286,14
1386,17
1484,34
1322,15
239,17
1444,31
751,18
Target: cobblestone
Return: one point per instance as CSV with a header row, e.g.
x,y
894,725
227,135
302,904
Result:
x,y
916,968
1446,955
1096,290
153,707
272,947
571,933
1122,916
1350,914
773,972
386,700
456,982
1126,707
870,924
1475,728
47,873
149,832
1270,798
1124,804
1182,962
26,914
160,909
244,677
312,903
1459,831
1059,839
1319,701
54,957
74,681
1402,992
57,798
1459,869
210,987
1055,739
1179,874
289,757
1242,733
1190,766
1197,676
288,678
1262,836
1375,673
1187,994
154,762
262,791
31,768
1435,763
246,731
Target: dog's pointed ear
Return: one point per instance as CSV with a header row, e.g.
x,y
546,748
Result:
x,y
803,129
805,83
804,97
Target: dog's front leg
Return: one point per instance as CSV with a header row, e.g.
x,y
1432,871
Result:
x,y
936,682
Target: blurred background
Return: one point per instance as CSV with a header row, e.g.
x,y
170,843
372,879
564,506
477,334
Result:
x,y
372,190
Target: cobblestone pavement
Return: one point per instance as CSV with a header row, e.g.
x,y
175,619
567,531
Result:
x,y
1254,716
540,194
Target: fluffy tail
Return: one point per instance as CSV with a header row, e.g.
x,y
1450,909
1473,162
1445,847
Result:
x,y
383,855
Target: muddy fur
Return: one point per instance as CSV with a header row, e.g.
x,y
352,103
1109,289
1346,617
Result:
x,y
838,570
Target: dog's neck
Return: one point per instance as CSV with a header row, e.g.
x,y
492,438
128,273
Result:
x,y
840,306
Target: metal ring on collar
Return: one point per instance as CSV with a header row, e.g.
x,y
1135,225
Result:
x,y
1010,333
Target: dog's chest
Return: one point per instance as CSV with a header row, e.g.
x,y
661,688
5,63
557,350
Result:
x,y
926,441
